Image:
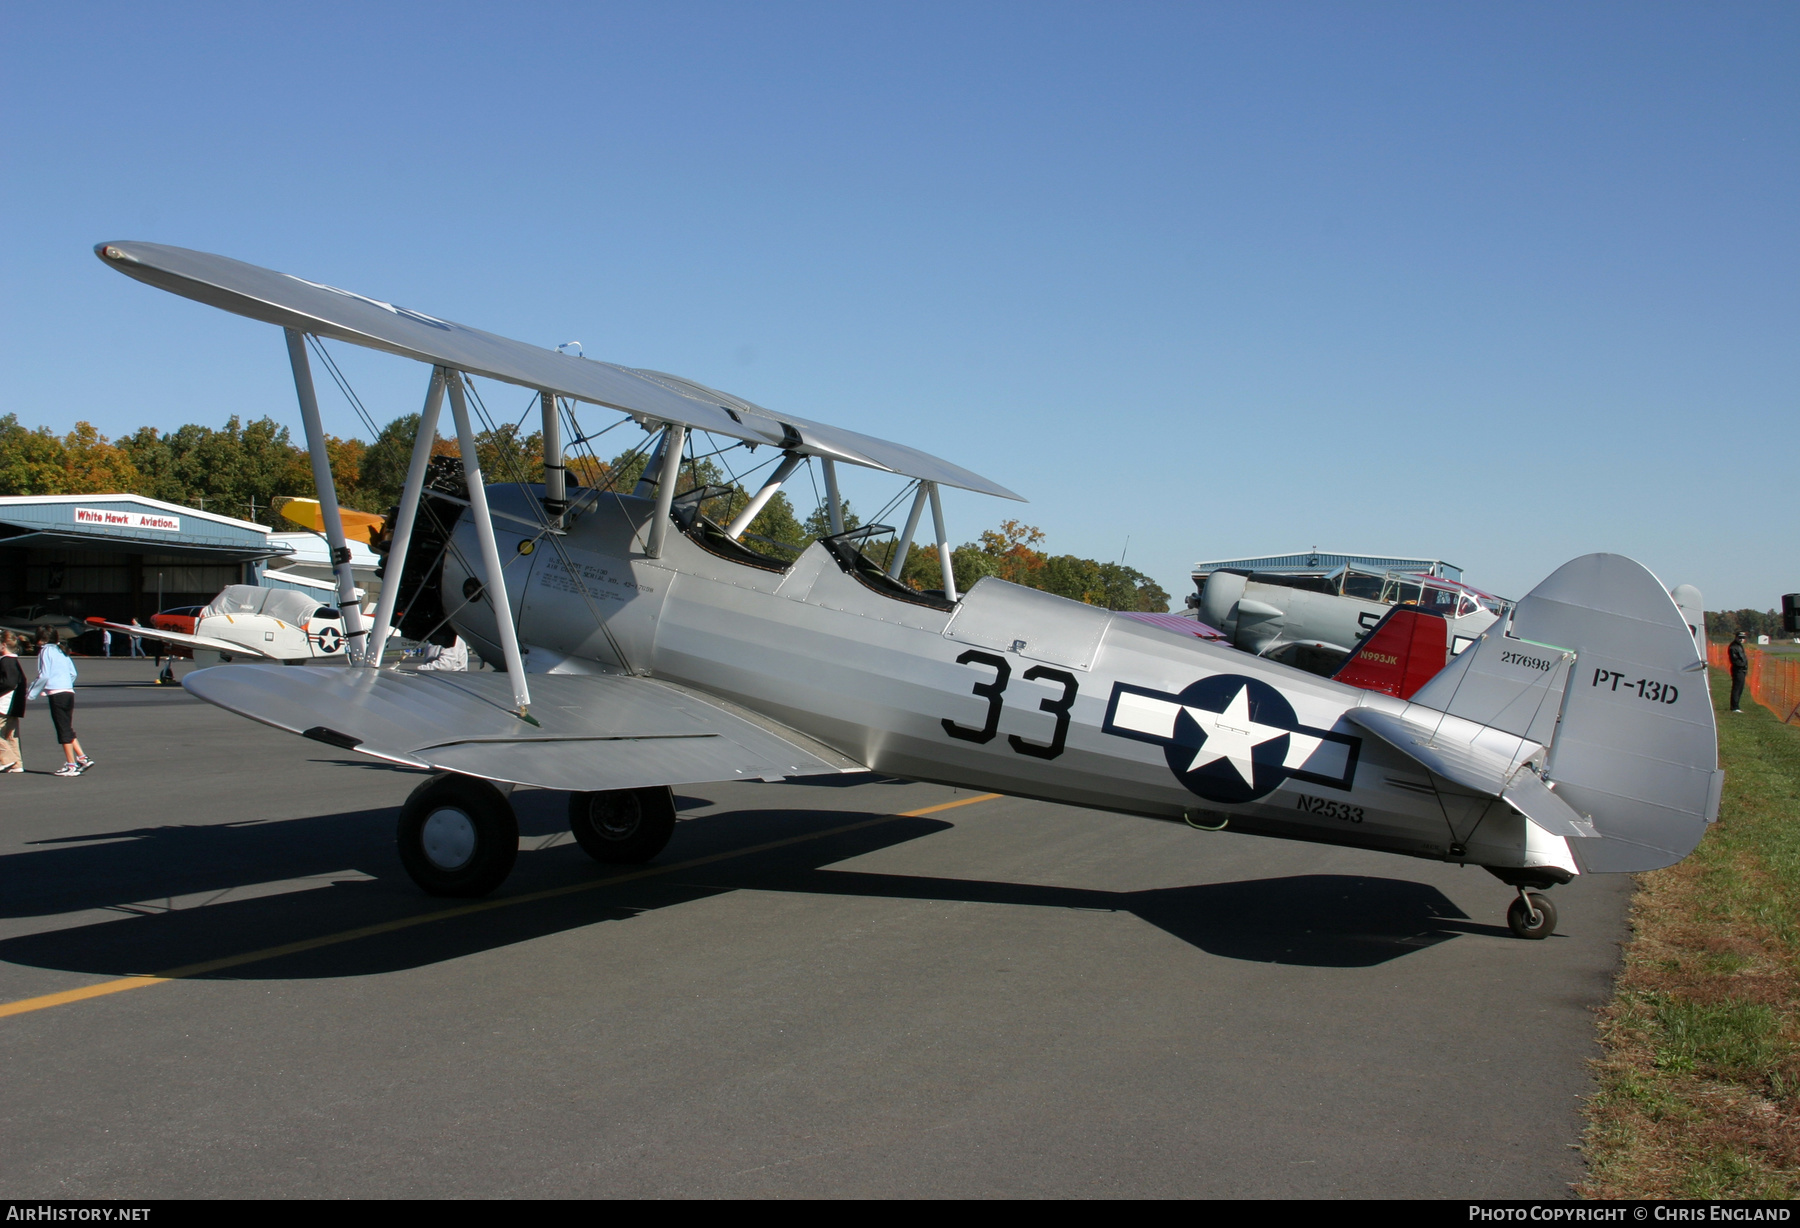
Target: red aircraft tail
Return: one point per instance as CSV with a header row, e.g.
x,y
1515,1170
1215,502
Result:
x,y
1406,650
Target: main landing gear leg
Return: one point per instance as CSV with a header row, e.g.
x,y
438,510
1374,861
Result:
x,y
458,836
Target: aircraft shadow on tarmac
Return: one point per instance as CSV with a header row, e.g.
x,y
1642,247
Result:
x,y
210,878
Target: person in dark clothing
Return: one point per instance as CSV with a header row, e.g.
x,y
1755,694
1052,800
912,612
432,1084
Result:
x,y
1740,670
12,702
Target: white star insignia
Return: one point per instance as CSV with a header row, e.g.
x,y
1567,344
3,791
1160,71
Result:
x,y
1231,735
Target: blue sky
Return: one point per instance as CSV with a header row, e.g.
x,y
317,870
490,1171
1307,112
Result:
x,y
1501,283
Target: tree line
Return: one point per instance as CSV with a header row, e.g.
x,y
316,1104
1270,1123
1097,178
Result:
x,y
240,469
1723,624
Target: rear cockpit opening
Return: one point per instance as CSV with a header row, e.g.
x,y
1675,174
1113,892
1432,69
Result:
x,y
853,551
861,552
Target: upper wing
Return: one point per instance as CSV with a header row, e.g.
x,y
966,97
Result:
x,y
595,732
312,307
834,442
183,638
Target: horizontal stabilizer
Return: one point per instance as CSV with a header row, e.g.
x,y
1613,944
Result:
x,y
1531,797
594,732
1477,757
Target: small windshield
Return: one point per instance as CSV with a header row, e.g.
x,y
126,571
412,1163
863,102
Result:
x,y
751,549
288,605
236,599
1439,600
1362,584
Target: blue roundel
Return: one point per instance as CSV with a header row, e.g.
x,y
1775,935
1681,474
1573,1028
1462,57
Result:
x,y
1231,738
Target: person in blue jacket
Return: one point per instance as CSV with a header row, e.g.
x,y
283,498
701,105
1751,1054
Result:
x,y
56,682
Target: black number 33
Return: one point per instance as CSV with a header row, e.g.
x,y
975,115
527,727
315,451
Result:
x,y
992,692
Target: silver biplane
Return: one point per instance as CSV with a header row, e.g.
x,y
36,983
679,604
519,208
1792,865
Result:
x,y
647,645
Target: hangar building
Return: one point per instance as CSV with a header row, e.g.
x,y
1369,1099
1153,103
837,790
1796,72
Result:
x,y
67,557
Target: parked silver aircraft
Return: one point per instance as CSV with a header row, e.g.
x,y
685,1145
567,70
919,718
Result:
x,y
1316,621
647,645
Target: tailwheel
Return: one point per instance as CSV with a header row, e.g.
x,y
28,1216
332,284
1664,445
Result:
x,y
623,825
458,836
1532,915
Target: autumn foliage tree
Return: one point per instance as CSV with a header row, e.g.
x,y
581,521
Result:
x,y
242,467
37,462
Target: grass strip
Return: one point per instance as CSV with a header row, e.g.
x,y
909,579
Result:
x,y
1699,1084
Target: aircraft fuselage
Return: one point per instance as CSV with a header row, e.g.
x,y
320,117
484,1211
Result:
x,y
1013,690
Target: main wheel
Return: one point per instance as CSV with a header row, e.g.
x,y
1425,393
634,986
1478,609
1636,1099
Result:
x,y
628,825
1521,921
457,836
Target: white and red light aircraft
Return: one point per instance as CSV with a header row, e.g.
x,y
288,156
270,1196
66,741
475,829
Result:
x,y
249,622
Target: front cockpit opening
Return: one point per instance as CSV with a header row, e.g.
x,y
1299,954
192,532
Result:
x,y
688,512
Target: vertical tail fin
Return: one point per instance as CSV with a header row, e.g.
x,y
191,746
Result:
x,y
1599,664
1403,652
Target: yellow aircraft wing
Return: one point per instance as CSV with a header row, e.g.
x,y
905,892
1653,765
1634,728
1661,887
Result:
x,y
361,526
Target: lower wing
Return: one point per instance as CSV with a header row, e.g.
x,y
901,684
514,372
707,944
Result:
x,y
594,732
207,642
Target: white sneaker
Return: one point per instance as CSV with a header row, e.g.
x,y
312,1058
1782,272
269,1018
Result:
x,y
83,762
68,769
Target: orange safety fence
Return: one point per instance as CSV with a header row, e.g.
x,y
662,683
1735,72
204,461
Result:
x,y
1774,680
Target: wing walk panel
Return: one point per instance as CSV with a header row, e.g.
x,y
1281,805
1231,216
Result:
x,y
595,732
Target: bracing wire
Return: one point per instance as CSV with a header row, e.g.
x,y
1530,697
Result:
x,y
545,531
818,498
450,540
343,383
894,503
736,479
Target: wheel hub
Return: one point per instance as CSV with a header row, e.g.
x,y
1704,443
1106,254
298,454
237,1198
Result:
x,y
616,818
448,838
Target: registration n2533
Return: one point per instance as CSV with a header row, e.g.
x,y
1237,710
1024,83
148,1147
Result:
x,y
1329,808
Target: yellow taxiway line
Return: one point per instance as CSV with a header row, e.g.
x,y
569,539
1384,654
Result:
x,y
26,1005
